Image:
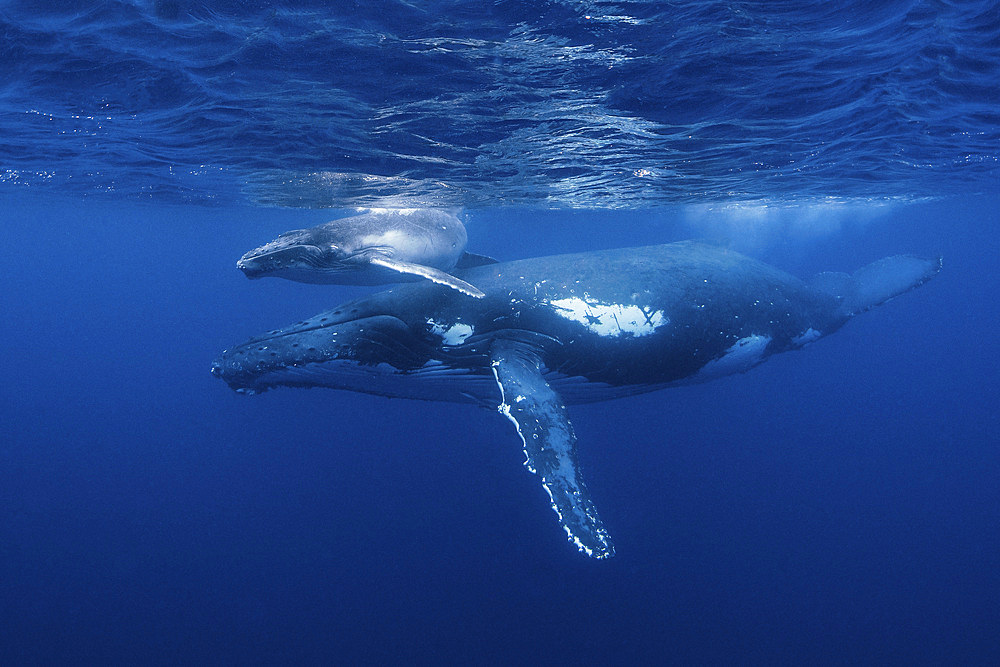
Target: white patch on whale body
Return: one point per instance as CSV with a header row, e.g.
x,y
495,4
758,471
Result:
x,y
806,337
610,319
453,335
741,357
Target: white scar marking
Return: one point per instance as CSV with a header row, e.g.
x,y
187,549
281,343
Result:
x,y
504,409
453,335
806,337
742,356
610,319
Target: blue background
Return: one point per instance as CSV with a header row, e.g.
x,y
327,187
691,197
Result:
x,y
838,503
835,505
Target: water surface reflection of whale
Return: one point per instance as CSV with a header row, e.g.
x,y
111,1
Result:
x,y
567,329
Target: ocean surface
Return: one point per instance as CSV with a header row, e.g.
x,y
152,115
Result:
x,y
837,505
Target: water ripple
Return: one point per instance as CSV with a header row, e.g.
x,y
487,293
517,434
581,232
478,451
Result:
x,y
584,103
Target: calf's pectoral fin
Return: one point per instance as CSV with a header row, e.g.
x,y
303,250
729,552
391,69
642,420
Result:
x,y
549,443
430,273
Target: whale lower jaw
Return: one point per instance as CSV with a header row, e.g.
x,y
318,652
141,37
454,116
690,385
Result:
x,y
435,381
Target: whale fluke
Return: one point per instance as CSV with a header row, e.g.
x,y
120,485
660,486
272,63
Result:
x,y
876,283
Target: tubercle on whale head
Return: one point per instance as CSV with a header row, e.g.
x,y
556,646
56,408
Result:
x,y
298,250
288,356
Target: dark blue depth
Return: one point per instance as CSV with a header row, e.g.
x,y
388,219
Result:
x,y
836,504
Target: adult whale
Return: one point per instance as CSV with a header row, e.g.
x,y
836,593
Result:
x,y
567,329
377,247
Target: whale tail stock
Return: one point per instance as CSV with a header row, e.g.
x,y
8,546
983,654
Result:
x,y
876,283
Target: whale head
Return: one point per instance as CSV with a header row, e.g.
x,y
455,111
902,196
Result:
x,y
303,255
332,349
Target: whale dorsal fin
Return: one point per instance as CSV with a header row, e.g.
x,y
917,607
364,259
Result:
x,y
471,259
428,272
549,442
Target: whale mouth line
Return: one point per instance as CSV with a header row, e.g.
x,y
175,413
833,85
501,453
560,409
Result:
x,y
262,254
260,262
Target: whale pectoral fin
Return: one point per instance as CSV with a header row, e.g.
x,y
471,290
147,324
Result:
x,y
428,272
469,260
549,443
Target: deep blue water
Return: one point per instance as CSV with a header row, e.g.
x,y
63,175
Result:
x,y
835,505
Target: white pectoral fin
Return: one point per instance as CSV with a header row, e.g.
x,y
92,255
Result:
x,y
430,273
549,444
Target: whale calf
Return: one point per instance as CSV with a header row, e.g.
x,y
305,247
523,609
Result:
x,y
553,331
374,248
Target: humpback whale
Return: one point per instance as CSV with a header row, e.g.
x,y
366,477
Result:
x,y
378,247
567,329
